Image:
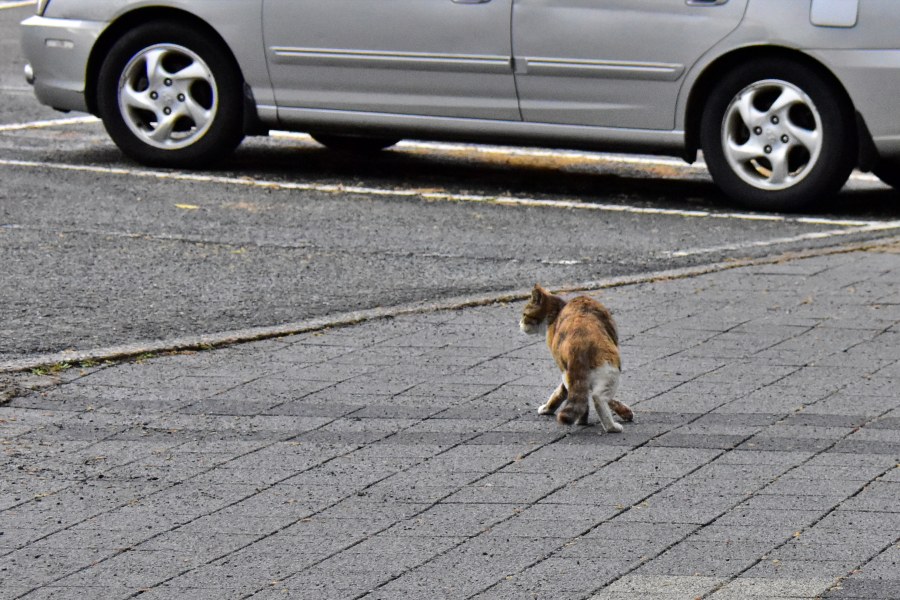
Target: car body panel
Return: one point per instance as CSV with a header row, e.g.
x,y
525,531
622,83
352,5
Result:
x,y
592,62
487,131
417,57
58,51
237,22
863,58
871,80
583,73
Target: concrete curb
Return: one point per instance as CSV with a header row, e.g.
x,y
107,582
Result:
x,y
228,338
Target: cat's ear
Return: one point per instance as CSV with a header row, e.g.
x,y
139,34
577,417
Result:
x,y
537,294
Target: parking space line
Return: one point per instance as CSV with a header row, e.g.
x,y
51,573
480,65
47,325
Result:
x,y
805,237
429,195
46,124
4,5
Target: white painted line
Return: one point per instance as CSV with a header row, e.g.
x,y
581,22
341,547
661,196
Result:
x,y
423,194
4,5
817,235
50,123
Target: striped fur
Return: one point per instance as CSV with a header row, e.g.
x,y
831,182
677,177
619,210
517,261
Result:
x,y
584,341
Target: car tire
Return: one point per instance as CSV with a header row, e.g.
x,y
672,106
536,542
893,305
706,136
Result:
x,y
170,95
353,144
888,171
776,135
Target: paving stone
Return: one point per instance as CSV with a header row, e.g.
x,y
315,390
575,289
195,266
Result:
x,y
168,592
812,487
842,459
664,533
638,596
683,516
869,447
111,592
562,574
801,548
844,473
886,589
768,443
686,440
790,569
782,519
403,459
730,534
684,586
804,502
563,513
33,567
515,589
457,520
752,587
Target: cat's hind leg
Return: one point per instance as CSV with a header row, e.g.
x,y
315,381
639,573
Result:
x,y
576,408
604,383
556,398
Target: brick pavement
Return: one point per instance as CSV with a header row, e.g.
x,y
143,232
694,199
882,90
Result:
x,y
404,459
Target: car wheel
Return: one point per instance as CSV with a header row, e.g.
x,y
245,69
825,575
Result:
x,y
171,96
352,143
888,171
777,136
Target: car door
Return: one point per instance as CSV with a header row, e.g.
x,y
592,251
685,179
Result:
x,y
614,63
447,58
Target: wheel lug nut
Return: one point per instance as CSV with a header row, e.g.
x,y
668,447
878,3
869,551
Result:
x,y
181,99
775,120
167,110
768,149
154,96
168,82
785,139
757,130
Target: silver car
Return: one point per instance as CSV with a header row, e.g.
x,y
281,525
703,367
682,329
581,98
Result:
x,y
784,97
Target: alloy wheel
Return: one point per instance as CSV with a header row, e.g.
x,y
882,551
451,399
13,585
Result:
x,y
772,134
168,96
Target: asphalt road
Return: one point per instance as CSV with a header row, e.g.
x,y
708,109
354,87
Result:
x,y
97,251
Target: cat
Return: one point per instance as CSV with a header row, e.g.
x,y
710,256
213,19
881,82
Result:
x,y
584,341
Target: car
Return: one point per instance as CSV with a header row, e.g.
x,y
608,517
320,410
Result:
x,y
783,97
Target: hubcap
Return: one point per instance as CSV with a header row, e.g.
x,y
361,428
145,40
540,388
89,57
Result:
x,y
772,135
167,96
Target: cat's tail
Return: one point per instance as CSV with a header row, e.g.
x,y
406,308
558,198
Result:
x,y
576,408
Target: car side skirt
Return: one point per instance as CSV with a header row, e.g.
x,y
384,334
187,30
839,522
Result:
x,y
576,137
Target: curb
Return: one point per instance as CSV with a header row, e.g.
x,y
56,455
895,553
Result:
x,y
229,338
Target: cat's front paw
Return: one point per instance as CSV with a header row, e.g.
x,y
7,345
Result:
x,y
614,428
544,409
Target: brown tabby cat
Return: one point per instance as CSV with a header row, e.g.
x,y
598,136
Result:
x,y
584,342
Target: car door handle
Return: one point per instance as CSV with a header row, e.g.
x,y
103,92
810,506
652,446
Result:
x,y
470,1
705,2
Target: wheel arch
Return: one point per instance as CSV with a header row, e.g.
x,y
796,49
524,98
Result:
x,y
705,82
141,16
